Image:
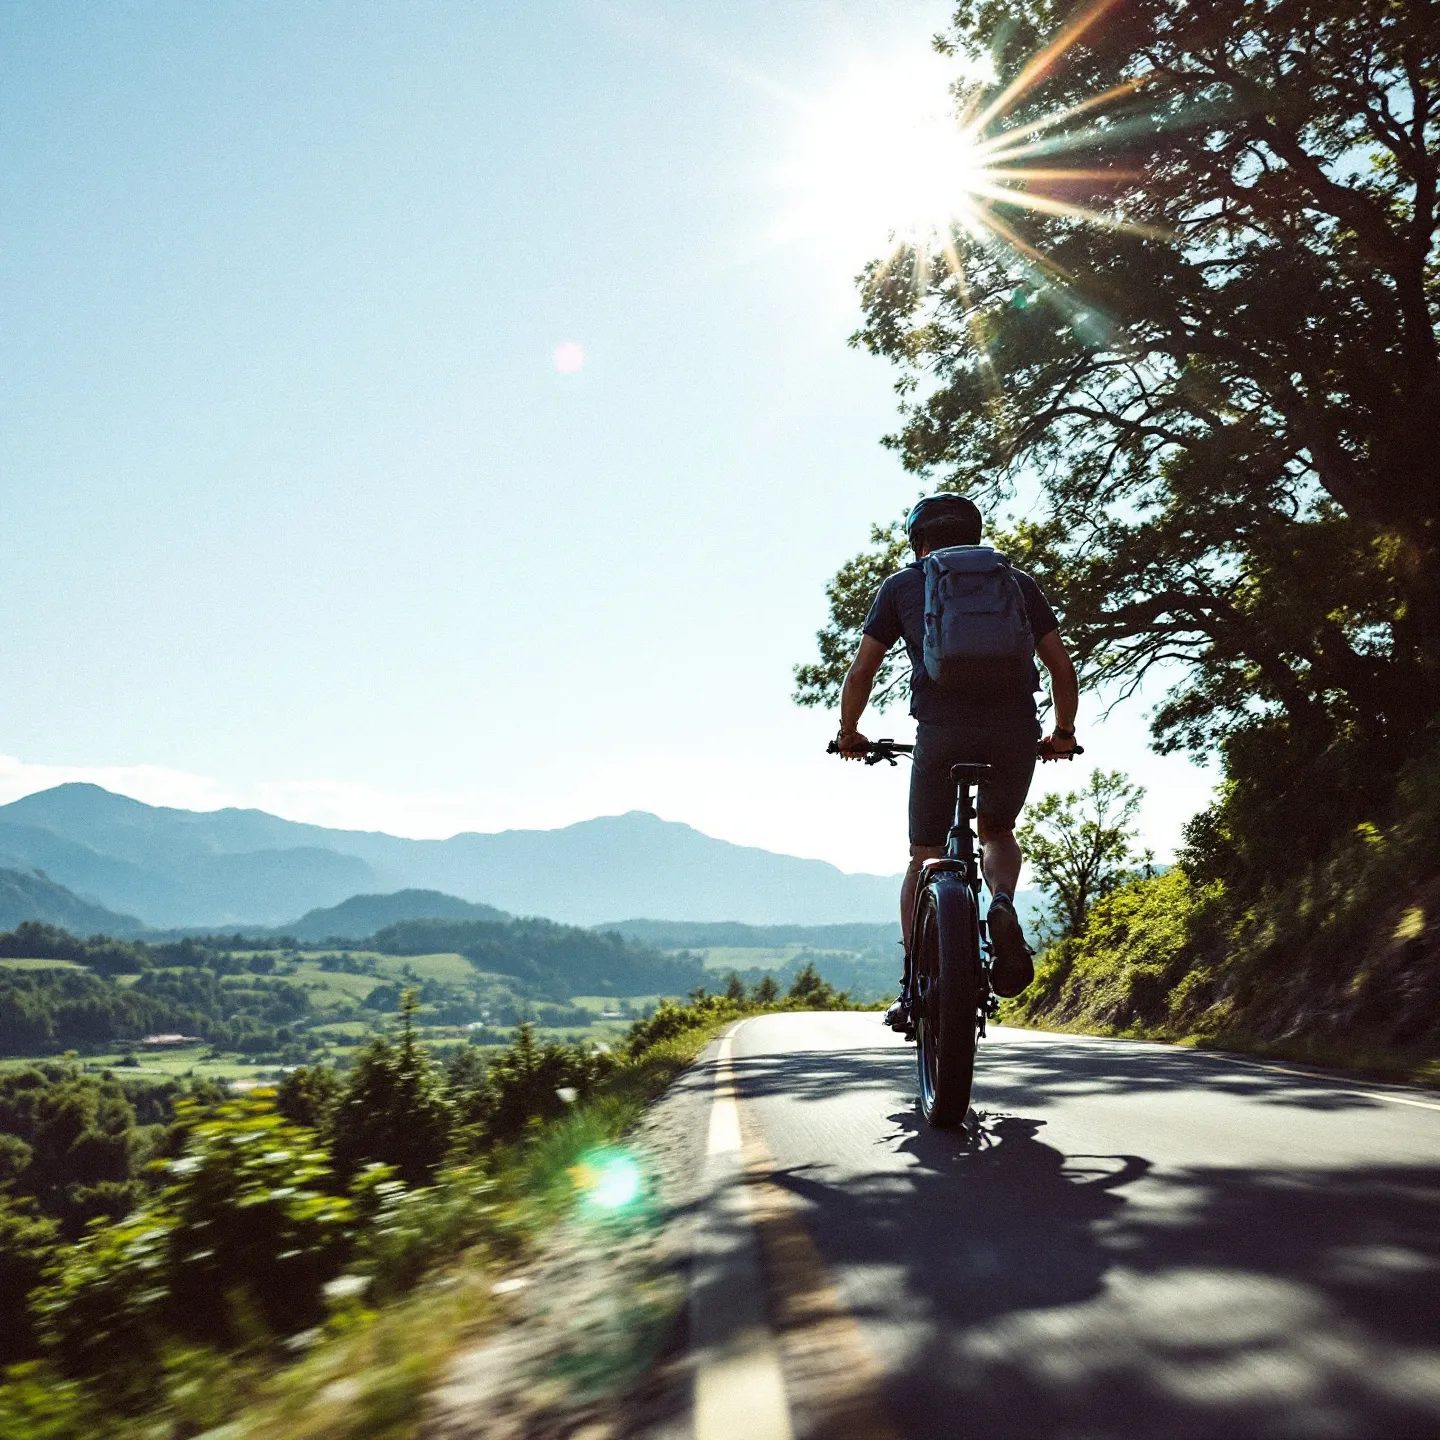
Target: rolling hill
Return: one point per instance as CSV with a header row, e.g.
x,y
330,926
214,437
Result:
x,y
241,868
25,895
362,915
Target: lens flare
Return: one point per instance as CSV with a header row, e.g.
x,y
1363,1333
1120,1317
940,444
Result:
x,y
569,356
608,1181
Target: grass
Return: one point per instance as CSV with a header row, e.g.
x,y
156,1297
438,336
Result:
x,y
22,964
450,968
734,957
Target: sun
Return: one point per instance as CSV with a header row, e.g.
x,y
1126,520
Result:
x,y
917,153
884,159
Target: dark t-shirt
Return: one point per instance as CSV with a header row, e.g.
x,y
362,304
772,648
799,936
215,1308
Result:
x,y
899,613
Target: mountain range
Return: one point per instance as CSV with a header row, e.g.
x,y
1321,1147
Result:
x,y
176,868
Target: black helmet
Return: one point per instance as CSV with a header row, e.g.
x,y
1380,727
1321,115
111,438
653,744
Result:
x,y
956,509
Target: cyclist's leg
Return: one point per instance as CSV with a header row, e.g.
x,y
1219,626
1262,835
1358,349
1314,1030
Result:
x,y
919,854
932,807
1011,756
1000,856
932,801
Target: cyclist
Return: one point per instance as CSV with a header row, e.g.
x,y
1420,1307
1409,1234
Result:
x,y
998,728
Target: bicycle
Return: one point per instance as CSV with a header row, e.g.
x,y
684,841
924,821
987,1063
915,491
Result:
x,y
948,971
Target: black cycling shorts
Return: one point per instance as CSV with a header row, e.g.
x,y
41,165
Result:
x,y
1009,748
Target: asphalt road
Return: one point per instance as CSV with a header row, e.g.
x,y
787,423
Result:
x,y
1134,1240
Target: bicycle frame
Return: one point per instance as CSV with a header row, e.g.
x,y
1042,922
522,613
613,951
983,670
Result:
x,y
961,862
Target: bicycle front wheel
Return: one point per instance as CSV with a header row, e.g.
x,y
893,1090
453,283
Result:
x,y
946,1001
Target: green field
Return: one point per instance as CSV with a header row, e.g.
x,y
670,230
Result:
x,y
730,957
41,965
184,1060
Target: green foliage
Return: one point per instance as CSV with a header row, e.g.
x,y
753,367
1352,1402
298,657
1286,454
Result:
x,y
237,1248
1335,963
529,1083
1081,845
27,1245
36,941
849,595
104,1311
73,1145
42,1011
810,992
308,1095
394,1109
1124,967
412,1230
160,1313
254,1214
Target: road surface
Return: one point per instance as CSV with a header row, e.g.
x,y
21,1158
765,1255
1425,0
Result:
x,y
1133,1240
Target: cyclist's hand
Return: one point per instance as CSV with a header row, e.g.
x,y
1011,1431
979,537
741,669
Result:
x,y
1059,747
852,746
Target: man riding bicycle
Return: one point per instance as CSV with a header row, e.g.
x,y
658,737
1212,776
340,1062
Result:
x,y
994,724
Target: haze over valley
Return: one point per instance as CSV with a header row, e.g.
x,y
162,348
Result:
x,y
171,868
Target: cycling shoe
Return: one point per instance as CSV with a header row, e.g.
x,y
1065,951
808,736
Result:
x,y
1014,967
897,1017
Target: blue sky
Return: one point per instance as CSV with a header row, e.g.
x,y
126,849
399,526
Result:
x,y
298,509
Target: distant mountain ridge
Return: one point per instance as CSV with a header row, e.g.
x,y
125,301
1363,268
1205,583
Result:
x,y
25,895
240,868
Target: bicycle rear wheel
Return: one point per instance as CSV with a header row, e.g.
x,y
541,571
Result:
x,y
946,1001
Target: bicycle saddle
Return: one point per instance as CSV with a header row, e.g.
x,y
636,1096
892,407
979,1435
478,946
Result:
x,y
969,774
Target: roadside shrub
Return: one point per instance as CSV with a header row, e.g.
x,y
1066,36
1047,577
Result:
x,y
1126,965
104,1313
394,1110
410,1231
27,1244
254,1214
525,1081
237,1248
308,1095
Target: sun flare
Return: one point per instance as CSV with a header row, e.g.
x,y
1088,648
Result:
x,y
884,158
910,154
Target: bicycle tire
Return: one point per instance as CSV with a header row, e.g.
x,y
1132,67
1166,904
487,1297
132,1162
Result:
x,y
947,1001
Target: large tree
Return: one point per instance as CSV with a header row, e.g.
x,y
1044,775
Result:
x,y
1206,360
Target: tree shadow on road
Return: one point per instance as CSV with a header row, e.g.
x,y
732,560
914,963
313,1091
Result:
x,y
1012,1073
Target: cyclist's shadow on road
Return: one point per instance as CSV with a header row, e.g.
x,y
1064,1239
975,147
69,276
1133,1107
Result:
x,y
1019,1219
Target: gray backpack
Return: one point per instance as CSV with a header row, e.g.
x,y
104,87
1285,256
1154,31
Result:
x,y
977,633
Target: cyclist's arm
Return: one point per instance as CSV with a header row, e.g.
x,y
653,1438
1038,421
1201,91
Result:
x,y
859,681
1064,683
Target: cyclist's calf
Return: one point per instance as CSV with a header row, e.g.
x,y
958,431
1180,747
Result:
x,y
1000,856
919,854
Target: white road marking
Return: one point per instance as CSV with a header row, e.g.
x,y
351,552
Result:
x,y
741,1396
739,1387
1265,1066
724,1112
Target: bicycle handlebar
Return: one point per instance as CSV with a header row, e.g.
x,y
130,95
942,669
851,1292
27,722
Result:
x,y
874,751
